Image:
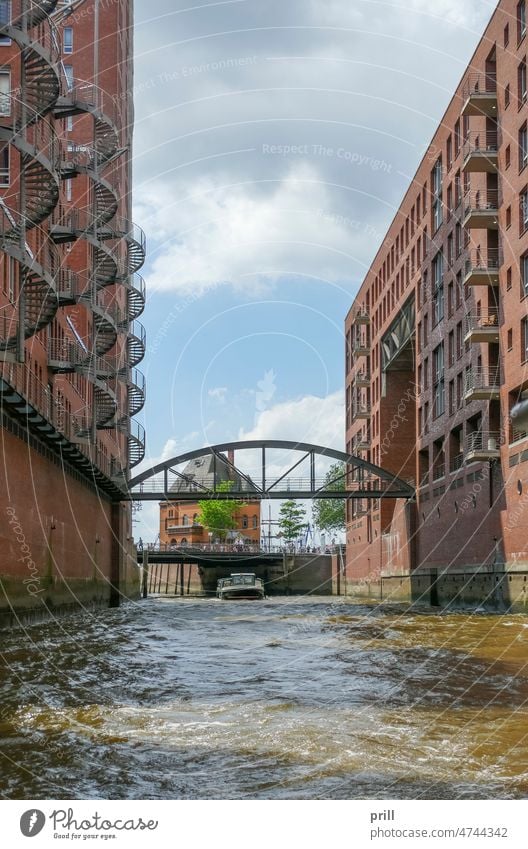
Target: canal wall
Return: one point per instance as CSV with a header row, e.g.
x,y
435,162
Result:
x,y
496,588
307,574
63,544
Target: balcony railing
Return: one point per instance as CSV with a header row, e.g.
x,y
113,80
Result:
x,y
480,152
483,445
361,411
456,462
360,347
481,209
482,267
479,94
483,384
362,378
483,327
438,471
361,316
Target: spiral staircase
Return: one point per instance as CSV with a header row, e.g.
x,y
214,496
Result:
x,y
27,125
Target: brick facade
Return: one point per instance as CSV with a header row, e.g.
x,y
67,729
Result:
x,y
70,294
437,337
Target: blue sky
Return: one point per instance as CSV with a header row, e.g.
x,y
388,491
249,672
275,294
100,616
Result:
x,y
273,144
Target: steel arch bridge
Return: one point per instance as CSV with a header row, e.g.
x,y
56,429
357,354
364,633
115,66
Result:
x,y
263,477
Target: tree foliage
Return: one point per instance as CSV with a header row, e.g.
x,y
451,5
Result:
x,y
292,520
219,516
329,513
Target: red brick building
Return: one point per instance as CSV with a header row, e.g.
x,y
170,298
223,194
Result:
x,y
180,520
437,349
70,297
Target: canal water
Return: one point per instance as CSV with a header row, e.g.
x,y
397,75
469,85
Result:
x,y
288,698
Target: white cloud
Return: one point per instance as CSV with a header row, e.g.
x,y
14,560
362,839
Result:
x,y
218,394
312,419
237,236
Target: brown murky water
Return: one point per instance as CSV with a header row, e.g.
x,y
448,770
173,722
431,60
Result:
x,y
285,698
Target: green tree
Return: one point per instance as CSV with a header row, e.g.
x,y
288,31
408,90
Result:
x,y
219,516
292,520
329,513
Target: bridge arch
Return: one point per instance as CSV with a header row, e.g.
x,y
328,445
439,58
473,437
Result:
x,y
261,479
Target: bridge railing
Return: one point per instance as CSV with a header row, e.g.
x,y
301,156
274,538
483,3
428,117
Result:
x,y
237,548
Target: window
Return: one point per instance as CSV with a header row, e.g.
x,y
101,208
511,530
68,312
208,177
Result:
x,y
245,523
521,79
458,239
438,380
459,388
510,339
524,340
508,157
4,165
523,210
67,40
5,91
521,20
524,275
459,345
506,35
508,217
509,279
457,138
450,299
507,96
426,373
68,73
523,146
450,254
451,397
449,152
5,18
438,304
68,189
185,521
255,522
437,195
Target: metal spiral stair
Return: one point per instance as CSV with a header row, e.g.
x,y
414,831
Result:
x,y
42,299
40,54
136,444
135,288
84,98
136,343
136,248
40,161
67,357
79,224
105,323
79,159
136,386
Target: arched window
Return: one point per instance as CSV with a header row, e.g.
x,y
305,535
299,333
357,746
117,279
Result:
x,y
185,520
245,523
255,522
183,542
195,519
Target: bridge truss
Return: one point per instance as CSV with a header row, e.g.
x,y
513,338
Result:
x,y
265,469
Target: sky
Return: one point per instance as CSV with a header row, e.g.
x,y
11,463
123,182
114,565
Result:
x,y
274,142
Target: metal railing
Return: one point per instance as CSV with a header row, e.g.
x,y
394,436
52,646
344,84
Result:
x,y
486,319
93,97
439,471
483,441
481,200
485,143
482,379
479,83
456,462
483,260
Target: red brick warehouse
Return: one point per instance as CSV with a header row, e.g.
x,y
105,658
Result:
x,y
70,297
437,348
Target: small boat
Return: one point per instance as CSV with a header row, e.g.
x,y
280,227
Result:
x,y
240,585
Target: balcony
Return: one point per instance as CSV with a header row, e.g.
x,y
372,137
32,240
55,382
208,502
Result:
x,y
482,268
456,463
361,316
483,385
479,94
481,153
361,411
483,327
481,446
438,471
481,210
362,379
362,442
360,348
